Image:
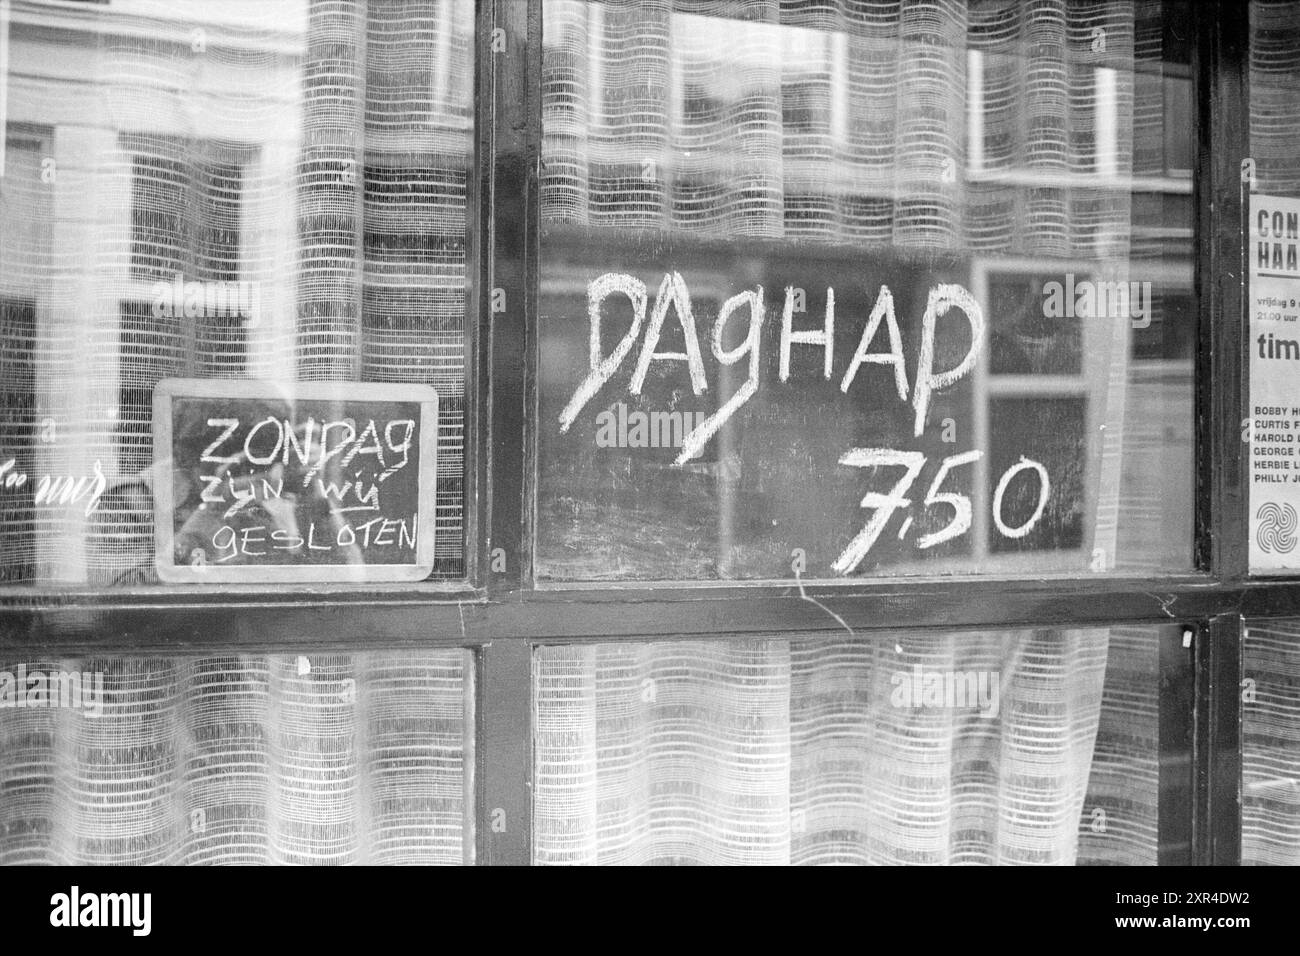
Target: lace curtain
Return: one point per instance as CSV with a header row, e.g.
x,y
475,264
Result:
x,y
784,750
1028,140
1275,95
870,160
1271,666
317,153
797,751
848,122
320,759
1270,773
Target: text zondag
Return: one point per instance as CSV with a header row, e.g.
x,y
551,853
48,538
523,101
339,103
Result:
x,y
673,294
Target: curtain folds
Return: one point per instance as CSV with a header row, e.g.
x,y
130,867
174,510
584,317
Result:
x,y
1275,95
1271,664
1270,775
320,759
317,153
846,121
994,130
785,750
801,751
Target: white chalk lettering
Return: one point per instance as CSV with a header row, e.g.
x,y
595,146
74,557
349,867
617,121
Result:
x,y
941,301
825,337
326,454
884,505
601,368
695,441
252,433
672,292
66,490
959,503
1044,491
403,448
883,310
291,441
361,448
254,541
231,425
635,429
207,495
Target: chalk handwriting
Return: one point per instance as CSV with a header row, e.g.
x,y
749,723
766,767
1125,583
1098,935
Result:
x,y
337,438
59,489
277,463
942,301
259,540
673,293
884,505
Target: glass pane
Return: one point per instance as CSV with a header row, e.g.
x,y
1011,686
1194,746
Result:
x,y
1270,746
1272,246
231,192
1037,747
1275,95
318,759
864,288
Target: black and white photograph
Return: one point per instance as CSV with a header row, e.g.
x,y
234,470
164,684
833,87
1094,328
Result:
x,y
650,432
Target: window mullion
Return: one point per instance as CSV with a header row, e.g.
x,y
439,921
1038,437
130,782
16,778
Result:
x,y
1216,758
513,70
509,80
1223,143
504,754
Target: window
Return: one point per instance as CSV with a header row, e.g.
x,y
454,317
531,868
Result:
x,y
229,193
1270,744
853,442
906,308
240,759
276,195
968,748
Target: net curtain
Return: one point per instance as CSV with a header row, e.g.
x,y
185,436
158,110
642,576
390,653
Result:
x,y
789,750
297,147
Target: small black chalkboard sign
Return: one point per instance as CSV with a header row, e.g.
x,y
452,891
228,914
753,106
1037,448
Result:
x,y
264,482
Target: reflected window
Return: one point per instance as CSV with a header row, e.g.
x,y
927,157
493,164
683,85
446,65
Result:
x,y
228,191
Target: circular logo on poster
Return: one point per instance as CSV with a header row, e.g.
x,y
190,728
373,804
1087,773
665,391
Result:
x,y
1277,527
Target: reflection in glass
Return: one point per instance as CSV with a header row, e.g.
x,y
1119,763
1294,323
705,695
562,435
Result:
x,y
1275,95
806,158
1270,786
224,190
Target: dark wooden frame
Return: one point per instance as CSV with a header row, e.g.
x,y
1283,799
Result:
x,y
499,613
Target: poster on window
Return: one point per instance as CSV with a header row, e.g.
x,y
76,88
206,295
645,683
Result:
x,y
1274,413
